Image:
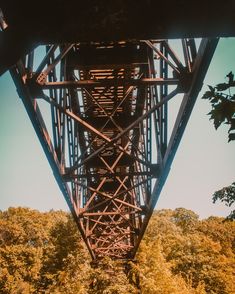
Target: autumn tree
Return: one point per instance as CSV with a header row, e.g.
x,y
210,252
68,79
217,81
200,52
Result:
x,y
180,254
200,253
35,248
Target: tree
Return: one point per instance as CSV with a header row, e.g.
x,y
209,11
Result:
x,y
226,195
36,249
223,105
178,245
155,272
109,277
223,111
44,253
185,219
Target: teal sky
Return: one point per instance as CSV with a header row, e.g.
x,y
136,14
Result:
x,y
204,162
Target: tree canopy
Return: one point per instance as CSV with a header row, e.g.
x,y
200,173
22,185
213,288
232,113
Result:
x,y
180,254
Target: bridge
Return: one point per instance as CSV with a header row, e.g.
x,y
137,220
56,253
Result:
x,y
99,90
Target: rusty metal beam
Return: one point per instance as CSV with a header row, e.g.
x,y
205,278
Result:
x,y
199,69
108,83
57,22
106,167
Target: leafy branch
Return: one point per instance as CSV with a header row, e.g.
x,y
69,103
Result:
x,y
223,105
226,195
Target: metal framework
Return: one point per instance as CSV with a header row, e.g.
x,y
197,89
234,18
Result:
x,y
101,111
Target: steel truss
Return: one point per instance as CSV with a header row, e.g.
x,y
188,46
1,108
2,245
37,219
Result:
x,y
110,145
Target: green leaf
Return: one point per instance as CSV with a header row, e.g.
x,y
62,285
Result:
x,y
232,123
231,137
214,100
211,88
230,77
232,98
222,87
231,216
207,95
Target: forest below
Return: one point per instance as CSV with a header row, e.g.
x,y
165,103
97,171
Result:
x,y
42,252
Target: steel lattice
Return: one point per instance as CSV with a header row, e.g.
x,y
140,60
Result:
x,y
108,144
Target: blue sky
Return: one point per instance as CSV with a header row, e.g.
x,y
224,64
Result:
x,y
204,162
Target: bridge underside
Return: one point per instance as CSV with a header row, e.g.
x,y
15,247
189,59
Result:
x,y
110,116
109,97
32,23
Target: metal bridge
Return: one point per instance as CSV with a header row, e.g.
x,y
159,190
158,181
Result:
x,y
102,111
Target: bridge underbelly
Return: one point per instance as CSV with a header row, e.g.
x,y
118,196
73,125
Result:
x,y
101,111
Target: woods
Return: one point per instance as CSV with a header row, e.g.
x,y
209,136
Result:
x,y
44,253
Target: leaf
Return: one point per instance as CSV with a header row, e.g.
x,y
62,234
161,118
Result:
x,y
217,123
211,88
207,95
232,123
230,77
231,137
231,216
217,116
214,100
232,98
222,87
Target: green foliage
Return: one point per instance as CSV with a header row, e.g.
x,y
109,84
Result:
x,y
180,254
223,105
226,195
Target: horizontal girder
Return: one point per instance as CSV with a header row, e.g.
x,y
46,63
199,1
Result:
x,y
95,20
48,22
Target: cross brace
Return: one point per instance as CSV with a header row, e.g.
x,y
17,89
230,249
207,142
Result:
x,y
109,144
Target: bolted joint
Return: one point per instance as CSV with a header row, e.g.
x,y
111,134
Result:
x,y
34,84
41,78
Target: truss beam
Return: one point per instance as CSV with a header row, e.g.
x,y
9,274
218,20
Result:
x,y
108,141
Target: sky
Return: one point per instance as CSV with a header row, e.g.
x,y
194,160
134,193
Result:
x,y
204,162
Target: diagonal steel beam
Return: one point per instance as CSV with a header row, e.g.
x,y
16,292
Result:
x,y
130,127
201,64
112,211
34,114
